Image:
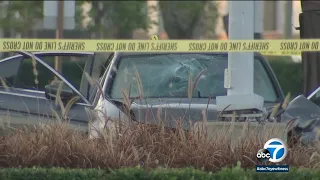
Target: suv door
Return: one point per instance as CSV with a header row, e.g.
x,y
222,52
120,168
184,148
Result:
x,y
23,101
20,106
74,64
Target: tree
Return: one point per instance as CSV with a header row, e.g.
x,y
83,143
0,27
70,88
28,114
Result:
x,y
79,16
117,19
21,16
310,29
209,19
184,19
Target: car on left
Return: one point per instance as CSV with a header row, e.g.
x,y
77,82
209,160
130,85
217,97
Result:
x,y
25,76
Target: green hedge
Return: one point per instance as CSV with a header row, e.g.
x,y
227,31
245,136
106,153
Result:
x,y
288,73
156,174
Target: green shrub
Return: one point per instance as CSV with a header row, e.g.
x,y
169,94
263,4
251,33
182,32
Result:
x,y
155,174
48,174
158,174
289,74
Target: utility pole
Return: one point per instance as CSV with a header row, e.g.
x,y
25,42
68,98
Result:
x,y
258,19
59,15
288,20
239,80
59,34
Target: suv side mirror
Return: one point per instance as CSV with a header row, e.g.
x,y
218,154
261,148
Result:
x,y
52,89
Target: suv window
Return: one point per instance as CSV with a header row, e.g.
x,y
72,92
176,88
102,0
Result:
x,y
167,76
105,64
72,67
263,85
24,73
9,71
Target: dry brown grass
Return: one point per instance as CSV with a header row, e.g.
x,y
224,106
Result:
x,y
58,146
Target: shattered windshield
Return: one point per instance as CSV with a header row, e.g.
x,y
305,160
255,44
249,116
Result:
x,y
167,76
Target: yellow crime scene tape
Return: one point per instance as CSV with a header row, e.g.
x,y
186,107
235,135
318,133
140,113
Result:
x,y
265,47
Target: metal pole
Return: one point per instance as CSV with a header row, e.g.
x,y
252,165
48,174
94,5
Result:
x,y
240,72
241,26
59,33
288,20
279,16
258,19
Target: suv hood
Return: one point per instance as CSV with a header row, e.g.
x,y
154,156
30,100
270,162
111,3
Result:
x,y
171,110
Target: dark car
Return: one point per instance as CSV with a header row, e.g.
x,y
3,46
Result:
x,y
151,81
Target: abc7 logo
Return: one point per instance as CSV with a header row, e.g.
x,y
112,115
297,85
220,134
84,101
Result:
x,y
275,150
263,155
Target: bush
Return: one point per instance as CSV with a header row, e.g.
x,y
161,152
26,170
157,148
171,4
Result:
x,y
48,174
289,74
155,174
